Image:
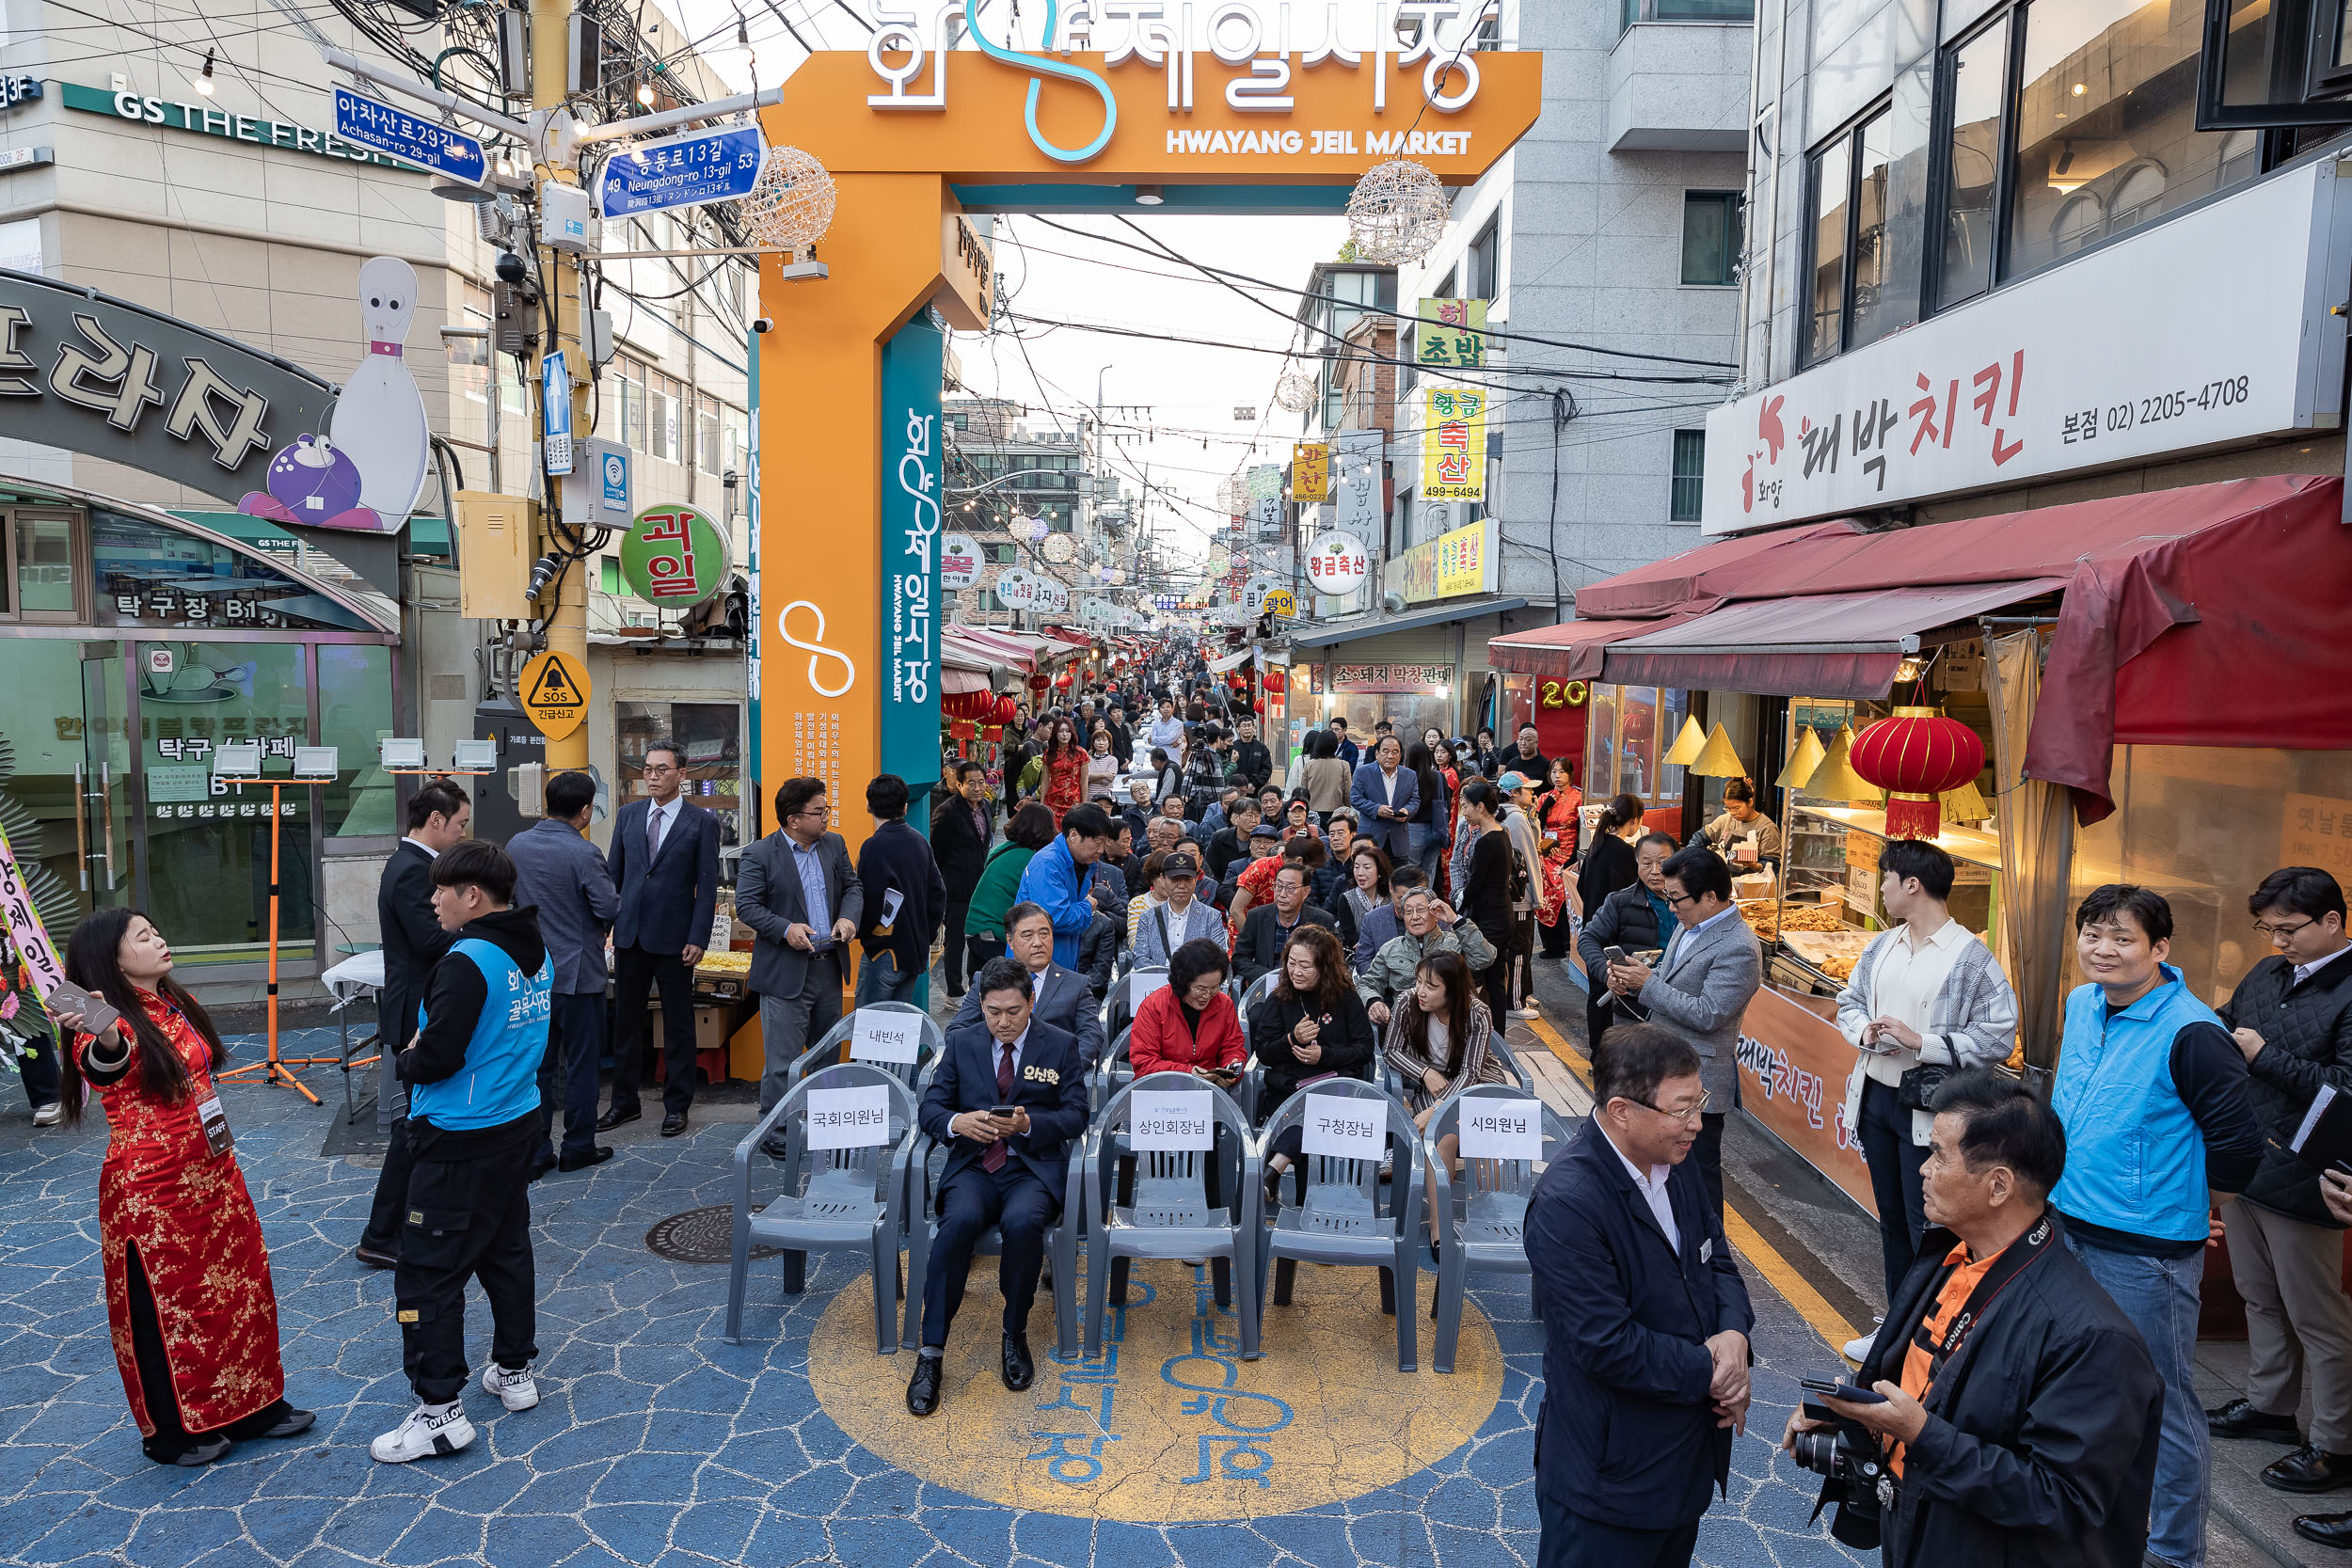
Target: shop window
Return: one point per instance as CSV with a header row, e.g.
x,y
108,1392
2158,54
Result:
x,y
151,576
709,737
355,716
1689,476
41,571
1852,281
1713,236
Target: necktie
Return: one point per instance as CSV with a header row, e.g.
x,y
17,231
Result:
x,y
653,832
993,1161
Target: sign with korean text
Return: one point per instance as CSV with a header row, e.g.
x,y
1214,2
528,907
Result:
x,y
1390,678
411,138
201,119
1338,563
673,555
1281,604
880,1037
1460,561
912,450
722,164
1454,444
2059,373
1346,1128
1793,1065
959,560
854,1118
1450,334
1140,984
1501,1129
555,692
30,937
1173,1122
2316,830
1311,472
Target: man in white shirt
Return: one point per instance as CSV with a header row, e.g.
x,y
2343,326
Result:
x,y
1926,994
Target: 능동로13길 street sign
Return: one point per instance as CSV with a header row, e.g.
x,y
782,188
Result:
x,y
722,164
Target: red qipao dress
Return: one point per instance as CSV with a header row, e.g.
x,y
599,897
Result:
x,y
1065,781
161,1189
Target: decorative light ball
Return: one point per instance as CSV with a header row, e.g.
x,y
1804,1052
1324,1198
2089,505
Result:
x,y
1232,494
1915,756
1114,575
1294,393
1058,549
791,206
1397,212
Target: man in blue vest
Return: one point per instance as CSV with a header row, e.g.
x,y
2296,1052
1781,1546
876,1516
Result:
x,y
473,1126
2152,1094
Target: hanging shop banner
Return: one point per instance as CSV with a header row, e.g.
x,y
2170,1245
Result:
x,y
1337,563
1017,588
1792,1065
1454,445
1357,502
1281,604
1311,473
912,365
23,924
1450,334
959,560
1265,480
673,555
1456,563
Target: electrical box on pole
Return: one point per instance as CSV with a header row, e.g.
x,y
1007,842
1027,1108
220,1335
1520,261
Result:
x,y
494,535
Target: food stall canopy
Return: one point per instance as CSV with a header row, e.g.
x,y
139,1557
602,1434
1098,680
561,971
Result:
x,y
1233,661
1570,651
1701,578
955,679
1812,645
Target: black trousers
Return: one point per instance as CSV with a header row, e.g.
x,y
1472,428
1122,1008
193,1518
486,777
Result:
x,y
172,1438
391,1204
635,975
1894,1182
1022,1208
567,1073
951,963
981,949
1708,1151
38,1069
1571,1541
467,1219
1494,981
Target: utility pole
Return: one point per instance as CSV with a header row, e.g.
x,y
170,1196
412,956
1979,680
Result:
x,y
567,619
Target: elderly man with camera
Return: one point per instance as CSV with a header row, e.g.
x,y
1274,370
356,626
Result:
x,y
2009,1413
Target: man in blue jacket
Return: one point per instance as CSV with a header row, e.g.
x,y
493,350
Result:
x,y
1646,1321
1057,879
2152,1094
473,1124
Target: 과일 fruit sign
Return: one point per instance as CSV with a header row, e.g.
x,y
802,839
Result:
x,y
673,555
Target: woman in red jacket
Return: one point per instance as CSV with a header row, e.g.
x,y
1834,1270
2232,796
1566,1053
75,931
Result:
x,y
1190,1024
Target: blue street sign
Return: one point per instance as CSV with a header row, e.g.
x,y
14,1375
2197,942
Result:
x,y
555,399
409,138
718,165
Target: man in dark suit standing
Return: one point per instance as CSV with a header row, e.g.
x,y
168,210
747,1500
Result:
x,y
961,827
1007,1171
1061,997
799,894
439,815
665,861
1646,1321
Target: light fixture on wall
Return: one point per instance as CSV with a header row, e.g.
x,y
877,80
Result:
x,y
204,82
1150,196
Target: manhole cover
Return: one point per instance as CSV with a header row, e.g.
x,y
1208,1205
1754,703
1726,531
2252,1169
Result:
x,y
700,1236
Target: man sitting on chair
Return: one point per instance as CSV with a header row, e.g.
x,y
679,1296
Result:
x,y
1007,1171
1059,996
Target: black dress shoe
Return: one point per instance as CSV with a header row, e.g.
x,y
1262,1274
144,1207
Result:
x,y
597,1155
292,1422
198,1452
923,1387
672,1124
1019,1371
376,1258
542,1164
616,1115
775,1148
2328,1529
2308,1469
2239,1418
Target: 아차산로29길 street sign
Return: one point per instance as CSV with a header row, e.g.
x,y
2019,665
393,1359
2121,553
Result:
x,y
719,164
411,138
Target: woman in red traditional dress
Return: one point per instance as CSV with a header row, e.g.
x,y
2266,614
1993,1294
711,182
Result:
x,y
188,1296
1557,812
1065,769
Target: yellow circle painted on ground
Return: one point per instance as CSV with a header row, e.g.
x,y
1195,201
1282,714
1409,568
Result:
x,y
1170,1423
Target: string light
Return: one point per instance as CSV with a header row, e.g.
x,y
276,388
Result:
x,y
204,82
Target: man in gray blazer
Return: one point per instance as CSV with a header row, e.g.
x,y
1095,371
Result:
x,y
1060,997
799,892
1700,990
558,871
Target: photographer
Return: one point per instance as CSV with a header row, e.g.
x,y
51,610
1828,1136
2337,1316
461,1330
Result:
x,y
2022,1412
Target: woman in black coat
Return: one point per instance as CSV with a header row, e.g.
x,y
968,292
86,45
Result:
x,y
1310,1025
1609,865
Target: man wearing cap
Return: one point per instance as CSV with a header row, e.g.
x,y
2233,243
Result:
x,y
1519,819
1173,916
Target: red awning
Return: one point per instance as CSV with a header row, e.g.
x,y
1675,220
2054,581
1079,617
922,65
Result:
x,y
1698,578
1570,651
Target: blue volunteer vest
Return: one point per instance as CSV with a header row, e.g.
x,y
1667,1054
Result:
x,y
500,1081
2135,1157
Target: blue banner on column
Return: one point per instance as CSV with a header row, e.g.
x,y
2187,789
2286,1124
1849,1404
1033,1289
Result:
x,y
913,362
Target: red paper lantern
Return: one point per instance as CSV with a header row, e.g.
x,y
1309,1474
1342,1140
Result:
x,y
1915,756
1061,682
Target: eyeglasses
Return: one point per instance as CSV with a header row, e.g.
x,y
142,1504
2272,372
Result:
x,y
1676,900
819,812
1687,1115
2280,933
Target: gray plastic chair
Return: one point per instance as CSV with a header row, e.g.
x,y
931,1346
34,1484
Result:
x,y
1345,1218
1061,1245
1112,1073
1116,1014
832,1199
1482,1215
1259,988
1495,1047
1168,1214
833,1048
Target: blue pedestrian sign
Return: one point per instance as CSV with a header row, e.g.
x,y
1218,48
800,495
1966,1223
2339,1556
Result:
x,y
411,138
717,164
555,402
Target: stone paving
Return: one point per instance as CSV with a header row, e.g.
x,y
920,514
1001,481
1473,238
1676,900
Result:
x,y
657,1442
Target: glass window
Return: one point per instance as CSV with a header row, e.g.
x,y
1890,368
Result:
x,y
45,565
354,715
1972,156
1483,265
2106,109
1831,185
151,576
1711,236
710,735
1868,318
609,574
1689,474
708,457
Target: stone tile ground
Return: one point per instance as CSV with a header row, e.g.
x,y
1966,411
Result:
x,y
657,1443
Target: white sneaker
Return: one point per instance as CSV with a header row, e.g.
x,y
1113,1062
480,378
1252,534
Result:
x,y
49,1114
1858,1350
427,1432
1523,1012
515,1390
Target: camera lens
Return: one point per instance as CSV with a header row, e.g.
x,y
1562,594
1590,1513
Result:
x,y
1817,1451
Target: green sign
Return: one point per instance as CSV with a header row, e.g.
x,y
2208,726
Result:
x,y
204,119
675,556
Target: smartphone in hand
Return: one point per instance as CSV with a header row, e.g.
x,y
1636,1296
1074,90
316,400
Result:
x,y
92,1015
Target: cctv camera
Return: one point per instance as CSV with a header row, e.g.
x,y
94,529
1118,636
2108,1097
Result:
x,y
764,323
510,267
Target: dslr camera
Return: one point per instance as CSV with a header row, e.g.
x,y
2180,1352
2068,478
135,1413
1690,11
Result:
x,y
1854,1477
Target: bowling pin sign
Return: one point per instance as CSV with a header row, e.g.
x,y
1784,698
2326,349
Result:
x,y
378,421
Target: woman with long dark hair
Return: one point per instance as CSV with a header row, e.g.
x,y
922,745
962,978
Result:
x,y
1311,1025
1429,832
1439,1037
1364,887
1556,824
188,1296
1609,864
1064,778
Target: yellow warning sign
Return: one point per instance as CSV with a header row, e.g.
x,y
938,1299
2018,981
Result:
x,y
555,693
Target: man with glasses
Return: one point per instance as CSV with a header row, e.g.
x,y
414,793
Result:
x,y
1700,988
802,898
1645,1319
665,861
2291,1017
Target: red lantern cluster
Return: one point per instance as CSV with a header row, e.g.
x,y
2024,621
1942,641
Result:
x,y
1915,756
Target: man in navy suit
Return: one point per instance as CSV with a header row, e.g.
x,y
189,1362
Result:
x,y
1385,796
1007,1171
1060,997
665,861
1646,1321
